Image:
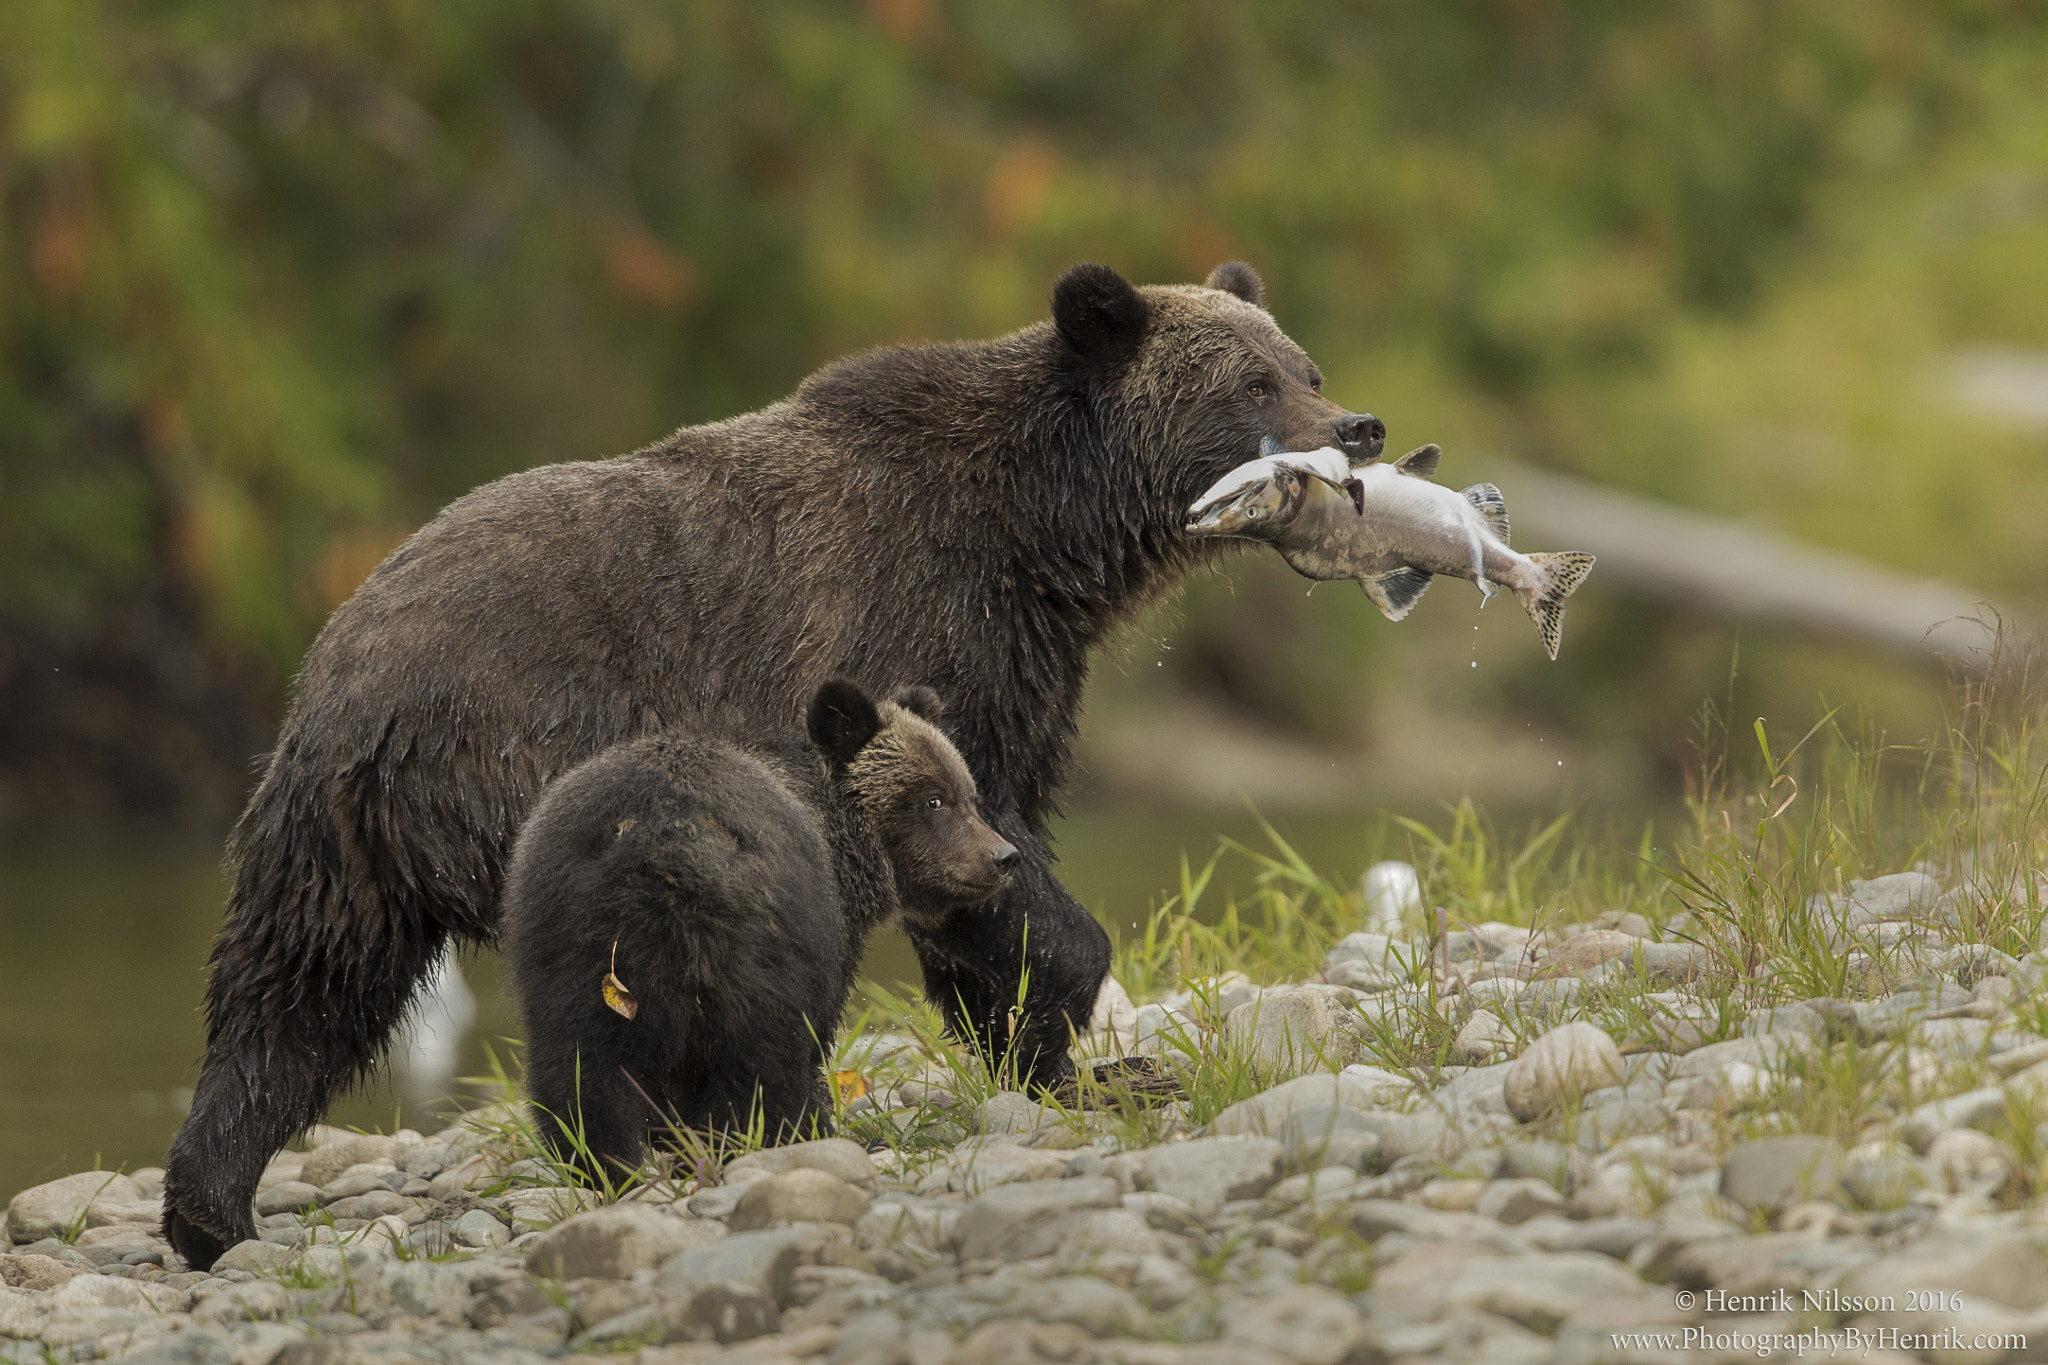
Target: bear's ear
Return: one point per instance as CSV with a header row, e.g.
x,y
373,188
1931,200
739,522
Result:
x,y
1097,311
842,719
1235,277
919,701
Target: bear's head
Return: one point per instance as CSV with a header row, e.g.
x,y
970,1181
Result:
x,y
1196,380
914,791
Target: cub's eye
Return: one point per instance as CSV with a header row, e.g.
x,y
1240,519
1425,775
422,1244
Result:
x,y
933,802
1256,389
1315,381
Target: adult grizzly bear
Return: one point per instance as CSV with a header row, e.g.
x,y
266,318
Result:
x,y
974,515
732,888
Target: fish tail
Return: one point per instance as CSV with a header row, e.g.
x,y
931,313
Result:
x,y
1559,575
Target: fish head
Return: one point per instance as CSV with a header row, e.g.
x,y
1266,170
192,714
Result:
x,y
1258,509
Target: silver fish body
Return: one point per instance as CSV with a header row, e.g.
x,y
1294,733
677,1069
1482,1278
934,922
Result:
x,y
1391,529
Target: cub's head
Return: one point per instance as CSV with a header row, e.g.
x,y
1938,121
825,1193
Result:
x,y
1200,377
915,793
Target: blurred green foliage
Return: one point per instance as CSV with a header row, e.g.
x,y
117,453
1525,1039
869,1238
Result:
x,y
277,280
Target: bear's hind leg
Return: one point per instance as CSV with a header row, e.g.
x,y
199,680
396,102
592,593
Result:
x,y
593,1117
315,966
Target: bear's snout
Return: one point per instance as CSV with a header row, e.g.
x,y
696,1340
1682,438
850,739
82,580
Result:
x,y
1360,434
1004,857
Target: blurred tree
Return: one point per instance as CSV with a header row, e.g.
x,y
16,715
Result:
x,y
278,280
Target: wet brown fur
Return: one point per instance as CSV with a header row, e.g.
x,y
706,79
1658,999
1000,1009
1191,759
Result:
x,y
977,515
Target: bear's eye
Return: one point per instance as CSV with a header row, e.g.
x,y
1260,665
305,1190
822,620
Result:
x,y
934,802
1256,389
1315,381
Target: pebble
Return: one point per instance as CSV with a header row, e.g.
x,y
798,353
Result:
x,y
1329,1135
612,1243
835,1156
326,1162
804,1195
764,1262
1304,1323
1518,1200
1354,1087
1009,1112
479,1229
61,1207
1583,952
1298,1028
1019,1221
286,1196
1568,1061
1207,1172
1114,1016
1774,1172
1482,1038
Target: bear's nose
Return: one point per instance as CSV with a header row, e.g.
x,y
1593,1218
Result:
x,y
1005,856
1361,434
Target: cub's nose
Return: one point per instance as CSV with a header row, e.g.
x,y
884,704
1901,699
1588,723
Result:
x,y
1361,433
1005,857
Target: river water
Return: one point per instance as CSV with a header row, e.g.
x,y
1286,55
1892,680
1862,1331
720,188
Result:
x,y
103,966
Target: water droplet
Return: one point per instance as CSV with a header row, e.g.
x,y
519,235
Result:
x,y
1475,663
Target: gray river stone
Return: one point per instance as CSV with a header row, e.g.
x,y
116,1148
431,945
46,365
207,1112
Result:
x,y
612,1242
1304,1323
2002,1266
1210,1172
1773,1172
1883,1180
1032,1218
837,1156
805,1195
58,1208
1355,1087
723,1311
765,1262
325,1162
1569,1060
1518,1200
1300,1027
287,1196
1329,1135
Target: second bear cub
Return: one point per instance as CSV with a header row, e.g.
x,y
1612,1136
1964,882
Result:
x,y
731,892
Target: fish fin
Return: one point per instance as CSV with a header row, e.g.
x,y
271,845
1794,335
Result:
x,y
1563,571
1396,592
1356,488
1421,461
1493,508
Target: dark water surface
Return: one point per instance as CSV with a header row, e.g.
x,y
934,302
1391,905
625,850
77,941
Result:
x,y
103,966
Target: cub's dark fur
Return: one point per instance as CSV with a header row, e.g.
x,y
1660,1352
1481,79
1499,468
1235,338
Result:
x,y
739,889
976,515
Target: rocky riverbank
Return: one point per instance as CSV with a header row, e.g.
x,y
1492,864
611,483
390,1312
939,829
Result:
x,y
1609,1158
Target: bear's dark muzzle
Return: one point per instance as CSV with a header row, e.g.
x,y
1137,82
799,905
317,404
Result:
x,y
1360,435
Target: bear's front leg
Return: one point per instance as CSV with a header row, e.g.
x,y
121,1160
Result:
x,y
974,959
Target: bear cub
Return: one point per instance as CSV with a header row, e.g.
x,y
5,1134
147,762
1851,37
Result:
x,y
730,891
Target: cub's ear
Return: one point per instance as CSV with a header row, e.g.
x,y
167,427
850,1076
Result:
x,y
1235,277
1097,311
919,701
842,719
